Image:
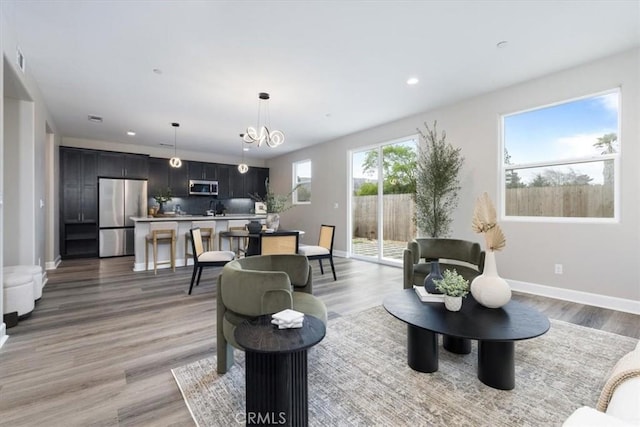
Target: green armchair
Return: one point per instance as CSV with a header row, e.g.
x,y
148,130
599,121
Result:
x,y
467,258
257,285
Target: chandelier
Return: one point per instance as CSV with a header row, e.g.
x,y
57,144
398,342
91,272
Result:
x,y
262,134
175,161
243,167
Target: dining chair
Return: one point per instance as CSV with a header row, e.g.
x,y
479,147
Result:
x,y
324,248
202,258
208,233
283,242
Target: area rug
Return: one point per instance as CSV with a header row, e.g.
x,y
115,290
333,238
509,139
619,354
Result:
x,y
358,376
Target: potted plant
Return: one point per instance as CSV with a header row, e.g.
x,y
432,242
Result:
x,y
163,197
454,287
437,186
276,204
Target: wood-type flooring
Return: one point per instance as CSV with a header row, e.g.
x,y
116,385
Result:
x,y
98,349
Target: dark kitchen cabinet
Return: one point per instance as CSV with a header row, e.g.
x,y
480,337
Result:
x,y
123,165
158,176
179,180
236,183
223,181
202,170
254,181
78,203
163,176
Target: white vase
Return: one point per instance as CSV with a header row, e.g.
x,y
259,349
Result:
x,y
489,289
452,303
273,221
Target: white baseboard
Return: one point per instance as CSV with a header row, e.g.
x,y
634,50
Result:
x,y
45,278
3,334
597,300
52,265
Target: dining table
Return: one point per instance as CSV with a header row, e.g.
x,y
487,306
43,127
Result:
x,y
253,247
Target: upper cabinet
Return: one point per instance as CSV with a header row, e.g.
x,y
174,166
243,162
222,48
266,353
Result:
x,y
254,181
163,176
201,170
179,180
123,165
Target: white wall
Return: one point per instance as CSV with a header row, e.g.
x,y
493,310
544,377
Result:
x,y
597,258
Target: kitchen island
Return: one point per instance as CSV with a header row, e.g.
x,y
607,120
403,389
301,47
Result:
x,y
184,224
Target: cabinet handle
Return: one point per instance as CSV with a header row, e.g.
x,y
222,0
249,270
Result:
x,y
125,171
78,217
82,216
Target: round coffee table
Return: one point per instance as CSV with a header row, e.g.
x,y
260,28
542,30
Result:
x,y
495,329
276,369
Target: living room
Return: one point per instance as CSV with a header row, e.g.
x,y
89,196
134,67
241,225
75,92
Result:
x,y
600,259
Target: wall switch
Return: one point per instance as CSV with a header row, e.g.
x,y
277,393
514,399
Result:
x,y
558,268
41,203
335,206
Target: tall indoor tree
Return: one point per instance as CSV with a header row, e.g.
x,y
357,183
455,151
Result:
x,y
437,184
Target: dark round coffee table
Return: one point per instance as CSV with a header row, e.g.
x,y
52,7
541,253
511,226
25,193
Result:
x,y
276,369
495,329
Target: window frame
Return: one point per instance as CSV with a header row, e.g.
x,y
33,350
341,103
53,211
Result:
x,y
616,157
294,180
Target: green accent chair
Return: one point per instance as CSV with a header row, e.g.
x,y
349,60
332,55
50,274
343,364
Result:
x,y
257,285
466,258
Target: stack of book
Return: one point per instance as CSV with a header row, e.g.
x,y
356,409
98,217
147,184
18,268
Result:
x,y
426,296
287,319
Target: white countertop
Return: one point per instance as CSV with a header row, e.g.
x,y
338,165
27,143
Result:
x,y
198,218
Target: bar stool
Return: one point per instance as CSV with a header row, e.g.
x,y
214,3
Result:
x,y
237,230
161,232
207,232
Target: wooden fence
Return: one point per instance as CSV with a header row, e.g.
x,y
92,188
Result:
x,y
578,201
398,216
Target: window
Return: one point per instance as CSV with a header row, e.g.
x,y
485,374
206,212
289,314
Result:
x,y
561,161
302,178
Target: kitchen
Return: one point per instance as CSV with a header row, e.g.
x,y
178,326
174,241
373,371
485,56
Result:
x,y
96,221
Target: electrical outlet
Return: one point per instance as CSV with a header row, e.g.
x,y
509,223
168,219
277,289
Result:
x,y
335,206
558,268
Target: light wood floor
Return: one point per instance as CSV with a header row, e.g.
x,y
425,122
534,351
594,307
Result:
x,y
99,347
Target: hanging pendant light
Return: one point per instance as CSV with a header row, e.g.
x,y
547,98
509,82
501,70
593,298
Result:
x,y
260,134
175,161
243,167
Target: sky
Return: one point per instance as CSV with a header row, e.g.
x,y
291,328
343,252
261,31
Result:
x,y
563,131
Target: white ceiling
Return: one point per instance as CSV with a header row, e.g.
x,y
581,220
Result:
x,y
332,67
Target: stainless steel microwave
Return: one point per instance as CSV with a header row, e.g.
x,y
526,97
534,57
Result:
x,y
203,188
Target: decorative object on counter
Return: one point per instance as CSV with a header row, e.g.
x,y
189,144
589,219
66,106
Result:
x,y
162,198
454,287
175,161
254,227
273,221
261,134
275,203
437,183
489,289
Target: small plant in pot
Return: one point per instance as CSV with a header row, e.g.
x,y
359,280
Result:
x,y
454,287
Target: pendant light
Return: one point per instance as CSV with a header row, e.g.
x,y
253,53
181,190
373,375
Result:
x,y
175,161
242,167
261,134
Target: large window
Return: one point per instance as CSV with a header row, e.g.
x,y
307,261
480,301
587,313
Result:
x,y
302,178
561,161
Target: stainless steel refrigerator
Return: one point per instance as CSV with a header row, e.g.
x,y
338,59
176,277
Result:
x,y
118,200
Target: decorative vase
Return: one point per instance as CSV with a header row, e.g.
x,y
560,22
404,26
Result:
x,y
489,289
452,303
273,221
254,227
434,273
160,208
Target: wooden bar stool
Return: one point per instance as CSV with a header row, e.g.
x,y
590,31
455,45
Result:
x,y
161,232
207,232
237,231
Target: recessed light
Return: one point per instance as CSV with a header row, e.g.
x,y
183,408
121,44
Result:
x,y
245,149
502,44
413,81
94,119
131,133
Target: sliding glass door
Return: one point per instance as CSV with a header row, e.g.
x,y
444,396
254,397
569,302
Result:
x,y
382,205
